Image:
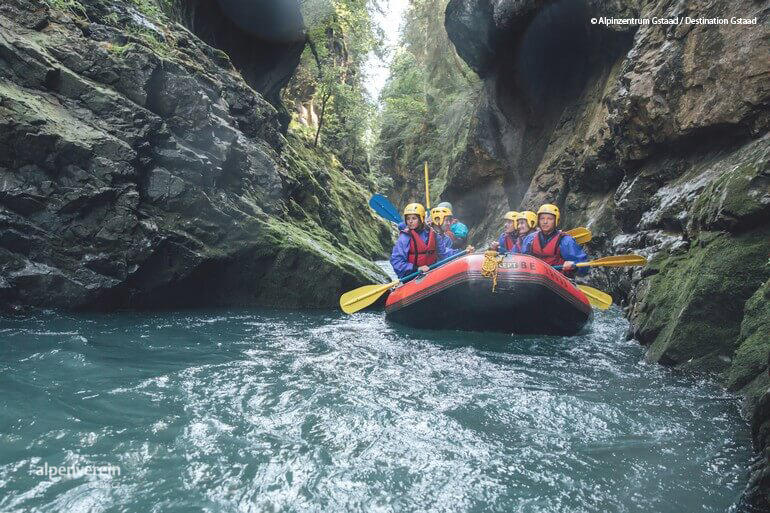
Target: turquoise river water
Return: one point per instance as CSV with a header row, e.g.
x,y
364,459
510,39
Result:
x,y
261,410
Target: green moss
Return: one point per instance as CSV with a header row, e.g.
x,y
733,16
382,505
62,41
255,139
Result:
x,y
739,193
754,342
70,6
118,50
49,117
272,262
328,199
753,393
713,363
289,235
112,19
694,304
150,39
324,269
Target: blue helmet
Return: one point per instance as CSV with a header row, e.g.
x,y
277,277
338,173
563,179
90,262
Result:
x,y
460,230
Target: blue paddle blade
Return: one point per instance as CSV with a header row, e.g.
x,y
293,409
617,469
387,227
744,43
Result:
x,y
384,208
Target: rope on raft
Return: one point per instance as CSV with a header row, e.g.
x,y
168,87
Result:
x,y
490,266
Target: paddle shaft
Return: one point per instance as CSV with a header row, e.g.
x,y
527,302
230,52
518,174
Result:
x,y
427,189
440,262
581,264
612,261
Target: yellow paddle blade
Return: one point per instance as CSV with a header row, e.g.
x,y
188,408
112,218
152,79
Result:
x,y
597,298
362,297
583,239
615,261
581,234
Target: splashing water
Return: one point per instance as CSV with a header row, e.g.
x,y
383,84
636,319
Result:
x,y
289,411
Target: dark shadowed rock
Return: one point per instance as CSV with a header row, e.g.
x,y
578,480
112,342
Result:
x,y
139,169
264,39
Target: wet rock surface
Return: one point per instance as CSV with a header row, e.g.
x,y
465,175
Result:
x,y
138,169
656,138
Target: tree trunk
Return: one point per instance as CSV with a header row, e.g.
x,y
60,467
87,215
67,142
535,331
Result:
x,y
324,99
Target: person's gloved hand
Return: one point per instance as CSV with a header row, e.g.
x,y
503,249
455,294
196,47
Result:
x,y
494,246
423,268
470,249
569,265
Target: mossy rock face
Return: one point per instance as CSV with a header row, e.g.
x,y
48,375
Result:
x,y
751,357
273,263
740,196
329,198
695,301
133,177
758,490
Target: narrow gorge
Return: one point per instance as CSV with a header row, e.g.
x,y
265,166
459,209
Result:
x,y
164,155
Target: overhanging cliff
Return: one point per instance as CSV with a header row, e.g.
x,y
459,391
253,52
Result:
x,y
264,39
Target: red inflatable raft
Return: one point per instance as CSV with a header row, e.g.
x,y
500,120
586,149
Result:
x,y
529,297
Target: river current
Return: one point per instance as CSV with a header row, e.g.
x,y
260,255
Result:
x,y
264,410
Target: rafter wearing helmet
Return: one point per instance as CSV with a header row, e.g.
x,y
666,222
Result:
x,y
507,240
552,245
418,246
452,227
526,223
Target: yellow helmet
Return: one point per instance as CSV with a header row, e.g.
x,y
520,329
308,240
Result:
x,y
415,208
438,214
530,216
511,215
549,209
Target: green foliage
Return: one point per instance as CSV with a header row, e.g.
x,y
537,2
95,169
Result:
x,y
112,19
404,117
341,35
428,99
